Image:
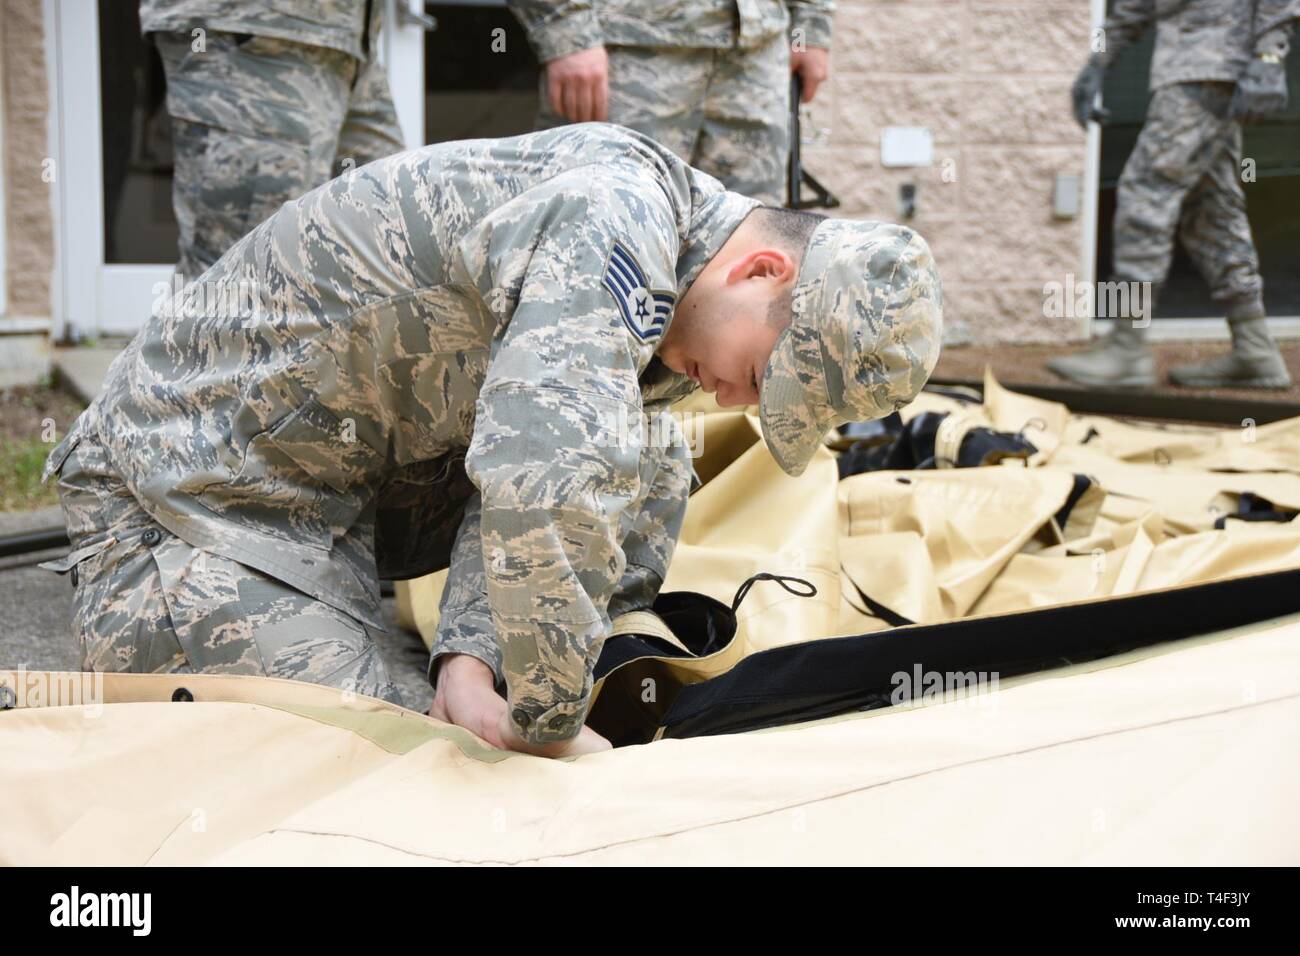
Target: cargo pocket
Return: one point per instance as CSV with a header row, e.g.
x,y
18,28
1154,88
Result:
x,y
305,479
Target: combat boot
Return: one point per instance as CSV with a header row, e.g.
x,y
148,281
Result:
x,y
1254,361
1119,359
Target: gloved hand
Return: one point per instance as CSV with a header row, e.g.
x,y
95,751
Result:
x,y
1261,91
1086,87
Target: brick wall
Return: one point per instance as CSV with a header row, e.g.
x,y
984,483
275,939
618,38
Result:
x,y
991,79
29,244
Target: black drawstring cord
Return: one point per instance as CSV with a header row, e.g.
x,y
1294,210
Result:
x,y
780,579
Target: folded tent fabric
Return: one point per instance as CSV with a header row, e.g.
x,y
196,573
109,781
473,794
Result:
x,y
1102,507
1175,755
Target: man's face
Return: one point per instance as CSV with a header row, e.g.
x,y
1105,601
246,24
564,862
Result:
x,y
726,337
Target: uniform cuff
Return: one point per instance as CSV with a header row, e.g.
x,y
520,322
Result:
x,y
466,631
815,27
556,724
572,34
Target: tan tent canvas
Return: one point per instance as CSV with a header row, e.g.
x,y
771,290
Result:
x,y
1182,754
1098,644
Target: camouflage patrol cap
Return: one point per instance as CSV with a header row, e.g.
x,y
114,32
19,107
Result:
x,y
866,318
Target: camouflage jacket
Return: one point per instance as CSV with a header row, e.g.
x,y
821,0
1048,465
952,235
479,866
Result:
x,y
492,301
1200,40
557,29
337,24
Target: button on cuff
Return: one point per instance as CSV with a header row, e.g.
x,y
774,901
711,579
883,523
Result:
x,y
558,723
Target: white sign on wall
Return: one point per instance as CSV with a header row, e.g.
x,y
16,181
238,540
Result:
x,y
906,146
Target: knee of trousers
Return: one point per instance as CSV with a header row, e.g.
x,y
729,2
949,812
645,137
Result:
x,y
150,602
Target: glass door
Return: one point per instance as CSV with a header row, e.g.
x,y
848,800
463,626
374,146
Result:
x,y
117,232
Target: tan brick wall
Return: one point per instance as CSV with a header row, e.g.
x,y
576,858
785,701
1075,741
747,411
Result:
x,y
991,79
29,243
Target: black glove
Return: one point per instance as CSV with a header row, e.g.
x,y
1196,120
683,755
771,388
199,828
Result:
x,y
1261,91
1086,87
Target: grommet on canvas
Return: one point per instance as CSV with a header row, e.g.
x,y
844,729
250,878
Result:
x,y
182,695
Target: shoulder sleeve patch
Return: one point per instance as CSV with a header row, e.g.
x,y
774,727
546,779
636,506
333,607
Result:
x,y
645,311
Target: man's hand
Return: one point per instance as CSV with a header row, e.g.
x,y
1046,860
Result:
x,y
577,85
1086,87
465,696
813,66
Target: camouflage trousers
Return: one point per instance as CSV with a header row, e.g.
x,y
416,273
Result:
x,y
1182,179
725,111
257,121
146,601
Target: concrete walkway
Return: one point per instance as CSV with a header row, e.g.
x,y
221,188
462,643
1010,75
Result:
x,y
81,370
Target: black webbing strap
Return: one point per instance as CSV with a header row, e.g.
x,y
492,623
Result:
x,y
875,608
801,682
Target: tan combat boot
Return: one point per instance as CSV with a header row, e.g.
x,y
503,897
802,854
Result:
x,y
1254,361
1120,359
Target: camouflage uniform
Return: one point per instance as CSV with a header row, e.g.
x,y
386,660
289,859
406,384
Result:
x,y
273,102
707,78
457,337
1183,174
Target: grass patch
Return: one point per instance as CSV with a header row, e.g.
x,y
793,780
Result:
x,y
21,463
32,421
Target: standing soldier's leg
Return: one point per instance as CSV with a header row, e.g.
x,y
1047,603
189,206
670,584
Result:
x,y
1177,145
1216,233
655,91
745,141
370,130
255,122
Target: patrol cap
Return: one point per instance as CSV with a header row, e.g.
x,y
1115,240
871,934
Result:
x,y
866,320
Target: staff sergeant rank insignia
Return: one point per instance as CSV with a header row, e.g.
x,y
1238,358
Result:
x,y
644,311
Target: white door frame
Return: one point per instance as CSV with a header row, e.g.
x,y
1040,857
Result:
x,y
89,296
404,59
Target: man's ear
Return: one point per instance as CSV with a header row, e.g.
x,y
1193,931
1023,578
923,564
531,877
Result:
x,y
762,264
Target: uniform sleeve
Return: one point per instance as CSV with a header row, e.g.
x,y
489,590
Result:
x,y
554,454
657,523
556,29
464,615
1127,22
812,20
